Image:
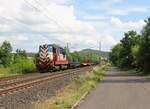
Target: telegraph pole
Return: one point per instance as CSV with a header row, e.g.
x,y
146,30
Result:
x,y
67,45
100,45
67,51
68,48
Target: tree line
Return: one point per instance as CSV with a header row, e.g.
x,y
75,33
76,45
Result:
x,y
78,56
16,62
133,51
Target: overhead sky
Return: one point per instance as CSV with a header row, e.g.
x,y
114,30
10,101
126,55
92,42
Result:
x,y
81,23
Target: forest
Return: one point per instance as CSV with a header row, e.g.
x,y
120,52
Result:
x,y
133,51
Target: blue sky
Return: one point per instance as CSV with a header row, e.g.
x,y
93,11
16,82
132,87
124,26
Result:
x,y
97,8
81,23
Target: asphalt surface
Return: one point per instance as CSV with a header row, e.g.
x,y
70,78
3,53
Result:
x,y
119,90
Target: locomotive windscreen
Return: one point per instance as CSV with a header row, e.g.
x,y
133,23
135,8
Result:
x,y
50,49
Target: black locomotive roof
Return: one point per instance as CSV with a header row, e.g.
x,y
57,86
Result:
x,y
55,46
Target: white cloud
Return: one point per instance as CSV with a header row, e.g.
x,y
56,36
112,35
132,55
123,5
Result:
x,y
14,39
118,24
127,10
20,38
93,18
52,18
117,1
60,2
4,28
10,9
113,7
52,22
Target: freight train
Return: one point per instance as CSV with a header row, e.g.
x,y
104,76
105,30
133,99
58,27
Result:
x,y
52,57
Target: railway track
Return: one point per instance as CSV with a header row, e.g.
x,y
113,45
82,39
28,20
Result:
x,y
14,79
18,83
9,80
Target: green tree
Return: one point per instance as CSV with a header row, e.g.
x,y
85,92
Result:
x,y
135,53
6,54
125,53
67,51
145,47
126,58
20,55
115,54
75,56
22,64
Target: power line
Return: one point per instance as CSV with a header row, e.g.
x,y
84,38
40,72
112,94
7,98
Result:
x,y
44,12
67,45
100,45
27,2
43,9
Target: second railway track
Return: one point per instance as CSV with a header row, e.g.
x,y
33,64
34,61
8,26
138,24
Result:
x,y
14,86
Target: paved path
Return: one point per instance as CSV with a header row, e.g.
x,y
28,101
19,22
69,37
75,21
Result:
x,y
119,90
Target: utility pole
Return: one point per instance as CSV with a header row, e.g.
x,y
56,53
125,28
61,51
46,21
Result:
x,y
67,51
67,48
67,45
100,45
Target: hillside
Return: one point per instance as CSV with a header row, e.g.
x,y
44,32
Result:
x,y
29,54
82,52
89,51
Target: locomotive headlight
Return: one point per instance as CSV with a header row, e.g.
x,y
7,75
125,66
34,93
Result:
x,y
50,56
40,63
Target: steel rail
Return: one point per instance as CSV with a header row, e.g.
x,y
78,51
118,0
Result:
x,y
30,83
10,79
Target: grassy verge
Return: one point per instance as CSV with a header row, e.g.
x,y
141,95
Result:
x,y
73,92
4,72
25,66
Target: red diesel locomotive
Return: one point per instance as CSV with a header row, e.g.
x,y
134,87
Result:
x,y
52,57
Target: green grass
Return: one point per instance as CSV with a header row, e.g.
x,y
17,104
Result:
x,y
4,72
69,95
22,67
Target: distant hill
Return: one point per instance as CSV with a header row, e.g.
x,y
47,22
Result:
x,y
102,53
82,52
31,54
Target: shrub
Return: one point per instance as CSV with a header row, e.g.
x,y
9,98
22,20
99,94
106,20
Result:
x,y
23,66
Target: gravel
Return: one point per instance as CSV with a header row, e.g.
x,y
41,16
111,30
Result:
x,y
26,98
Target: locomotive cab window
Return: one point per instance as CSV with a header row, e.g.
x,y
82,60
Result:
x,y
54,50
61,51
50,49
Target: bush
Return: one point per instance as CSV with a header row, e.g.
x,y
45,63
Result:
x,y
14,63
6,54
23,66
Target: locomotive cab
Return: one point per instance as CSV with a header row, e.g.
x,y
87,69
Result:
x,y
52,57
